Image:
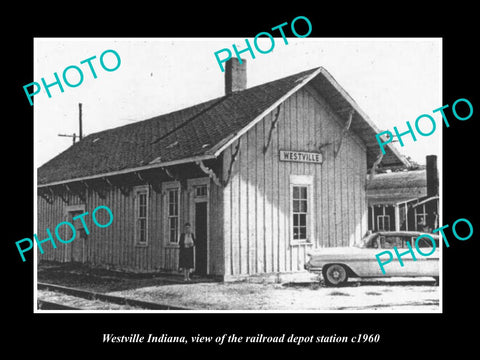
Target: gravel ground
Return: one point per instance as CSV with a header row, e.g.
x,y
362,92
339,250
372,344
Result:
x,y
299,292
82,304
247,296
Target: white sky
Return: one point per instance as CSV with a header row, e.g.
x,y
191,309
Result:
x,y
392,80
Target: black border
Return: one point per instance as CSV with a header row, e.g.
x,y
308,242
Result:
x,y
399,332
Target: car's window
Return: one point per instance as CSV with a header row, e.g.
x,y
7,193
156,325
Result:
x,y
370,241
400,242
425,242
389,242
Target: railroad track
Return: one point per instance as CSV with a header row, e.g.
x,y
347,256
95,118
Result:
x,y
89,295
48,305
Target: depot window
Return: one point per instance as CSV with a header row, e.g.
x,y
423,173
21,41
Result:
x,y
301,206
141,215
171,191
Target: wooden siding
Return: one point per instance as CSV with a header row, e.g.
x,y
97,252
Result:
x,y
216,245
114,246
256,207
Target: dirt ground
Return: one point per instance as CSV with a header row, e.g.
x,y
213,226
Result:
x,y
303,292
96,279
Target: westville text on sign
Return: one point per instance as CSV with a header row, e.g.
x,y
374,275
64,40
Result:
x,y
300,156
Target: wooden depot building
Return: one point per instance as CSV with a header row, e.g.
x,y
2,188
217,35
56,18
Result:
x,y
263,174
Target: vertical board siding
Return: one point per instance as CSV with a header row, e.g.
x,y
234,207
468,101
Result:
x,y
235,226
213,215
293,169
251,203
268,199
113,246
242,210
351,169
260,213
121,229
273,146
282,194
227,211
217,260
345,220
259,191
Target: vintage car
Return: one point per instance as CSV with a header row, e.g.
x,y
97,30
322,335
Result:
x,y
337,264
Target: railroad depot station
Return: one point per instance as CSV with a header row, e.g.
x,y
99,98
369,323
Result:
x,y
263,175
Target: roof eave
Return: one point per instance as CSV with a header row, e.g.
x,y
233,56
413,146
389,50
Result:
x,y
151,165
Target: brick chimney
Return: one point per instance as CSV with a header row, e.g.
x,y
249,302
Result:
x,y
432,175
235,75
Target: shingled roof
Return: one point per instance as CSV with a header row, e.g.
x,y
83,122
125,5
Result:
x,y
394,187
199,132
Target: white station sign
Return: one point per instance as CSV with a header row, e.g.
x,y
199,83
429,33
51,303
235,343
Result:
x,y
301,156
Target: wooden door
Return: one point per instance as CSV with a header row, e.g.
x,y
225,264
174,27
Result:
x,y
201,234
77,246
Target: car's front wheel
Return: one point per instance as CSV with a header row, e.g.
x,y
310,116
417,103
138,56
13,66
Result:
x,y
334,275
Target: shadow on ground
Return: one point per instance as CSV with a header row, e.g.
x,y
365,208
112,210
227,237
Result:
x,y
369,282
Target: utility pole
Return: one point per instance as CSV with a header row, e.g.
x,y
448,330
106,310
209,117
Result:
x,y
80,120
74,136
